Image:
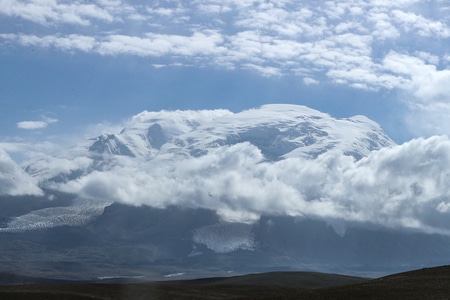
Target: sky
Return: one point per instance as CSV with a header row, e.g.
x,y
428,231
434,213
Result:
x,y
73,69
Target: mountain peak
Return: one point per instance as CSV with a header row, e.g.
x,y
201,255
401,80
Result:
x,y
278,131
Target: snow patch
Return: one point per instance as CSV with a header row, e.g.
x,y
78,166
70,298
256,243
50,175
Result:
x,y
80,213
226,237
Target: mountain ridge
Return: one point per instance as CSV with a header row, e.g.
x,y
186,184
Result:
x,y
428,283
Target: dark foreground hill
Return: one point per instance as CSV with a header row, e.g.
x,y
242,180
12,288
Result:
x,y
430,283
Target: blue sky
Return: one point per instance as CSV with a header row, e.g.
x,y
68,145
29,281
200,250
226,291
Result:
x,y
74,69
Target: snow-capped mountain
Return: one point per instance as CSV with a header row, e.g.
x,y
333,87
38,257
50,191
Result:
x,y
278,131
280,187
210,159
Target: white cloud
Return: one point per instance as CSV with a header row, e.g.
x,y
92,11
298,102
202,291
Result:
x,y
428,57
265,71
423,26
46,12
49,120
383,28
200,43
402,187
429,88
309,81
72,42
26,150
32,125
13,180
446,58
390,4
428,119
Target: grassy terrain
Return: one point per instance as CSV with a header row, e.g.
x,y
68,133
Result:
x,y
431,283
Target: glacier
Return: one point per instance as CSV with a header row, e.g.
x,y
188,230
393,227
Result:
x,y
226,237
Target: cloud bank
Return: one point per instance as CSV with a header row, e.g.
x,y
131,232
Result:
x,y
402,187
371,45
13,180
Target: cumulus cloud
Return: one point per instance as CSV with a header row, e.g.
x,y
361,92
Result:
x,y
13,180
401,187
423,26
429,91
46,12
